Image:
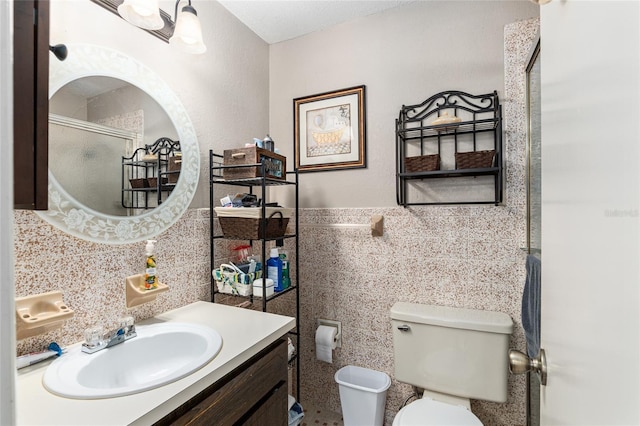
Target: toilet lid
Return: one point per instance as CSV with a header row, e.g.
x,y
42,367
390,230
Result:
x,y
427,412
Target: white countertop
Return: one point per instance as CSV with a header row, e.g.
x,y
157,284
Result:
x,y
244,333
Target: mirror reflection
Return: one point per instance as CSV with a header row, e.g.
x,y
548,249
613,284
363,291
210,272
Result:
x,y
170,120
97,125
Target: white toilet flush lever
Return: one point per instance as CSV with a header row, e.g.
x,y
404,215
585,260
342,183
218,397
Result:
x,y
520,363
404,327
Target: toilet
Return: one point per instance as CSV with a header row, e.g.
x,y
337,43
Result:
x,y
451,355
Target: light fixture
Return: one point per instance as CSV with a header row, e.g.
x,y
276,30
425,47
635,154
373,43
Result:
x,y
541,2
187,33
142,13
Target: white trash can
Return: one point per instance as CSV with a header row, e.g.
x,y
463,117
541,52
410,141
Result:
x,y
363,393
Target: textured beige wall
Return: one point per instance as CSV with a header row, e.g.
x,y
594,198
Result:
x,y
225,90
225,93
464,256
403,56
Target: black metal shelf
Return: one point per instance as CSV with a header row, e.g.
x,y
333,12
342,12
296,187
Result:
x,y
486,171
249,182
284,237
462,128
215,178
478,115
136,167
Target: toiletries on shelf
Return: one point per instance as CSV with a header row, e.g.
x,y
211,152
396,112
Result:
x,y
269,145
150,273
286,280
274,269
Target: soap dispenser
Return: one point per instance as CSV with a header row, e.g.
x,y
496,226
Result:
x,y
150,273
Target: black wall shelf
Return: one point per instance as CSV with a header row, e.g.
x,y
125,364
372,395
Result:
x,y
479,128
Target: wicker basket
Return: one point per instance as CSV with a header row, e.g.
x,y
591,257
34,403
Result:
x,y
153,182
175,163
422,163
251,228
275,164
138,183
475,159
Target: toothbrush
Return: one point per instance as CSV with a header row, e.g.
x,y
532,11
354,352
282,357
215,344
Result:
x,y
35,357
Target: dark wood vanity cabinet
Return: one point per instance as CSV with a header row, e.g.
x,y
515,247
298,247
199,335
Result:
x,y
30,103
255,393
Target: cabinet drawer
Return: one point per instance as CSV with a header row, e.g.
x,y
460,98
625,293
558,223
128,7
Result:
x,y
254,387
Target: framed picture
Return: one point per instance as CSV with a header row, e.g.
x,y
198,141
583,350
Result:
x,y
329,130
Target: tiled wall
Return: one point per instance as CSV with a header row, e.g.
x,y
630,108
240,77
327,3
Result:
x,y
92,276
454,256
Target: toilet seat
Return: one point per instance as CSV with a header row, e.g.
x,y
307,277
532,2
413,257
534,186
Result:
x,y
428,412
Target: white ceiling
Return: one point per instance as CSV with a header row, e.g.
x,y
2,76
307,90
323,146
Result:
x,y
278,20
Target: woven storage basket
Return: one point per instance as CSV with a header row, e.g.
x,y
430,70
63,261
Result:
x,y
153,181
251,228
175,163
475,159
422,163
138,183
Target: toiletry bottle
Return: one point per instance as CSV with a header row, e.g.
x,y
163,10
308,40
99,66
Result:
x,y
269,144
150,274
274,269
286,279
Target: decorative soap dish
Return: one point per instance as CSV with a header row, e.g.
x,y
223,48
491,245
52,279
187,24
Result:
x,y
136,293
40,313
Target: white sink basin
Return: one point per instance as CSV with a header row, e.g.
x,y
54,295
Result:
x,y
160,354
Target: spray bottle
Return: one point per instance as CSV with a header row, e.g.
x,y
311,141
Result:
x,y
150,274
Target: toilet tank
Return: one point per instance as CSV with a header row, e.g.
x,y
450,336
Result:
x,y
460,352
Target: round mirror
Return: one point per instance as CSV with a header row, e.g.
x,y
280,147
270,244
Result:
x,y
123,155
98,127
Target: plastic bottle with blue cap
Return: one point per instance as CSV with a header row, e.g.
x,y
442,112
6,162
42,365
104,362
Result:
x,y
274,269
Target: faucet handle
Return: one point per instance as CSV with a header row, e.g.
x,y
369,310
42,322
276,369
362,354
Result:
x,y
126,321
94,336
127,326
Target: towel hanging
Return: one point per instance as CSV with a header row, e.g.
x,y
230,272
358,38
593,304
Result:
x,y
531,305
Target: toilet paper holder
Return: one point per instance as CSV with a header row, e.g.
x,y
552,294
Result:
x,y
338,325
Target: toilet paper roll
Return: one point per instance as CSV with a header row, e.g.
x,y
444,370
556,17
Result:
x,y
325,343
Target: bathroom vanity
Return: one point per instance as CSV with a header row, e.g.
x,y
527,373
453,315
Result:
x,y
245,382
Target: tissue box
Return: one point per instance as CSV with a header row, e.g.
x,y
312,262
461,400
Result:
x,y
257,287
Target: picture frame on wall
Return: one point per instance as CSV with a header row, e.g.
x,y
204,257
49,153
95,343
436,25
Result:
x,y
330,130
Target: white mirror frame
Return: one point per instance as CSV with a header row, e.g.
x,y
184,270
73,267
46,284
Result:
x,y
65,212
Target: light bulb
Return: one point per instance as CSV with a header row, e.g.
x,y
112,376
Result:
x,y
188,32
142,13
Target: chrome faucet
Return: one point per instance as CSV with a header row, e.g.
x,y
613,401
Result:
x,y
96,339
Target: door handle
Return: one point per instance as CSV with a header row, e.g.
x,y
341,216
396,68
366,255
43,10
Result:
x,y
520,363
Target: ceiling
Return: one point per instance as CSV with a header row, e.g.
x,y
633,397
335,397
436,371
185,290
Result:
x,y
279,20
